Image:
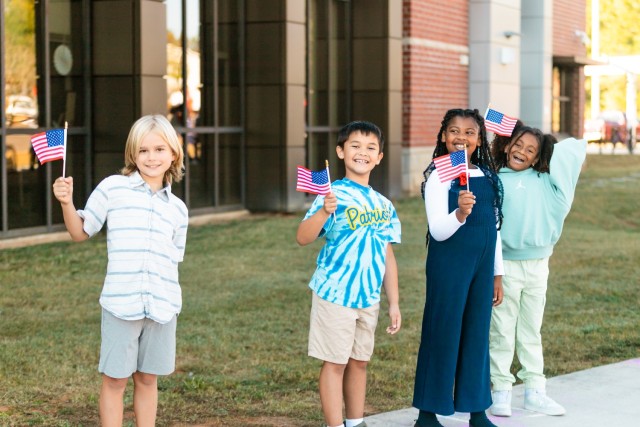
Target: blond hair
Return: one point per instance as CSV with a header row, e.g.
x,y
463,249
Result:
x,y
159,125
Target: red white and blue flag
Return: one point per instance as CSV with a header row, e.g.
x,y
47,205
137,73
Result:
x,y
313,182
49,145
451,166
499,123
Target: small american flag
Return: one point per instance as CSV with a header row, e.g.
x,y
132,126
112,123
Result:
x,y
49,145
313,182
499,123
451,166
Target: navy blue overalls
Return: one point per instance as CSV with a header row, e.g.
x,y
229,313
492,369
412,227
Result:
x,y
452,373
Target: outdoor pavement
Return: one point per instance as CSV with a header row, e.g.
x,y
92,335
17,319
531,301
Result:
x,y
606,396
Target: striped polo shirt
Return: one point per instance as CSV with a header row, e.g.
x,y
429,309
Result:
x,y
146,236
352,262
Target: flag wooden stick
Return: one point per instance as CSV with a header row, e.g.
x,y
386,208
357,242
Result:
x,y
466,165
326,163
64,155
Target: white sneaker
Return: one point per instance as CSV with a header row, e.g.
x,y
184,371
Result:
x,y
537,400
501,403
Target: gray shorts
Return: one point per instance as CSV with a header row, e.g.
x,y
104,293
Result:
x,y
141,345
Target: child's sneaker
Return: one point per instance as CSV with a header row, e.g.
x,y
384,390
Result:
x,y
501,403
537,400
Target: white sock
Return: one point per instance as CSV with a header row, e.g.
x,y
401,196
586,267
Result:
x,y
353,423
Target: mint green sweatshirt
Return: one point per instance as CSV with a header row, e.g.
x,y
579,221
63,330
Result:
x,y
536,205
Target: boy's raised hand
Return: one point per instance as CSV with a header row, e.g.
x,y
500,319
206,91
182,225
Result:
x,y
63,190
330,203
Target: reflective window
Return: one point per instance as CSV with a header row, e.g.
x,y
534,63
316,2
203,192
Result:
x,y
45,87
204,96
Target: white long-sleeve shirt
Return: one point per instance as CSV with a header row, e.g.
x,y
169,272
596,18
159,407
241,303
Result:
x,y
442,223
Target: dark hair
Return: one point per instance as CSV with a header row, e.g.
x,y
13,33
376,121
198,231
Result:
x,y
545,147
360,126
481,157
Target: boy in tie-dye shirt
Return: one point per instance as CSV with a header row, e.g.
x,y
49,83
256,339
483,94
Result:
x,y
359,225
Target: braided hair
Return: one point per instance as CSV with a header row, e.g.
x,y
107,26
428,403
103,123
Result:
x,y
481,157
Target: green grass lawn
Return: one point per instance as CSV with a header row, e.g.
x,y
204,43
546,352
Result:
x,y
242,335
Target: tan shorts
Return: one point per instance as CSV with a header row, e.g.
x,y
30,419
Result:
x,y
338,333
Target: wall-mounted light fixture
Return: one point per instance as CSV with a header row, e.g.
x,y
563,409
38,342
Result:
x,y
584,38
509,34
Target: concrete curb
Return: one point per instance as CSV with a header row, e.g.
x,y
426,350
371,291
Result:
x,y
603,396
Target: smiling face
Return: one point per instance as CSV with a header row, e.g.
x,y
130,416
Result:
x,y
523,152
462,131
361,153
153,159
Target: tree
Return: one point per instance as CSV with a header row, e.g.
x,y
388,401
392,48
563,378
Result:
x,y
20,56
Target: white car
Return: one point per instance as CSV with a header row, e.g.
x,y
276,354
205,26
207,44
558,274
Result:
x,y
21,108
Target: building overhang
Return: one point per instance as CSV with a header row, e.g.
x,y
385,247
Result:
x,y
576,61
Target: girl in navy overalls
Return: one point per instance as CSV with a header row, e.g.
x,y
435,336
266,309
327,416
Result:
x,y
464,277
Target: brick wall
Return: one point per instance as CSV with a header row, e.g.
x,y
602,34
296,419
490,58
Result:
x,y
568,16
435,36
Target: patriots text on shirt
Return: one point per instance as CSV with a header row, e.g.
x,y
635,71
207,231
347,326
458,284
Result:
x,y
365,218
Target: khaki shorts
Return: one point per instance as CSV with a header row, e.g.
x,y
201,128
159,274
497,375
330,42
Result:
x,y
338,333
130,346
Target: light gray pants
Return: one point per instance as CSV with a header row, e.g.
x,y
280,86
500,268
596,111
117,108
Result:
x,y
516,324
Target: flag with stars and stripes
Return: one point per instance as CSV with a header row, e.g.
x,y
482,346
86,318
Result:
x,y
451,166
499,123
313,182
49,145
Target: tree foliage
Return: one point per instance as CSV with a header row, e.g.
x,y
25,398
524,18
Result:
x,y
619,29
619,36
20,45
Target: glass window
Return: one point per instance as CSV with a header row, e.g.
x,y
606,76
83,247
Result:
x,y
45,87
204,96
562,105
65,63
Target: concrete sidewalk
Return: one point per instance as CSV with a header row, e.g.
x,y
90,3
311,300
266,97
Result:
x,y
607,396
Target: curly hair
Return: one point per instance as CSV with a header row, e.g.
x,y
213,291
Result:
x,y
481,157
500,144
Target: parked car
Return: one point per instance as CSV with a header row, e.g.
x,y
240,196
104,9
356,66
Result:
x,y
611,126
21,108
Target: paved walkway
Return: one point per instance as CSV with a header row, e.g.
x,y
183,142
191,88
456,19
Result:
x,y
606,396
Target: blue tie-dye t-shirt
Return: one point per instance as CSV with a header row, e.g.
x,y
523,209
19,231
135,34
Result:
x,y
351,264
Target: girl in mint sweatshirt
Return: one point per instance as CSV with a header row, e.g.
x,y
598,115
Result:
x,y
539,176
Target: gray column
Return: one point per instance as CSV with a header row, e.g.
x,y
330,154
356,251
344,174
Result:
x,y
377,83
275,141
537,63
129,60
494,55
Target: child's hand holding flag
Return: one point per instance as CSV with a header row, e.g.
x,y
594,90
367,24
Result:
x,y
51,145
318,183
